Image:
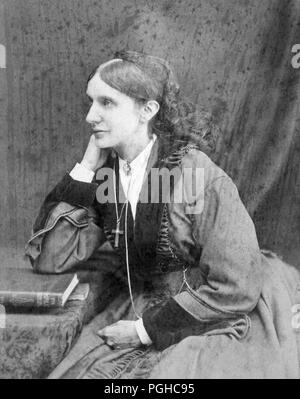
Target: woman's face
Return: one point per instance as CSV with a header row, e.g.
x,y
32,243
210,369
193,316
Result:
x,y
113,116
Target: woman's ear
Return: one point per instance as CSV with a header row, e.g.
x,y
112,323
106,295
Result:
x,y
149,110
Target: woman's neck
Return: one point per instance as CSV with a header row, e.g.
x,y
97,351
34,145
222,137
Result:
x,y
131,150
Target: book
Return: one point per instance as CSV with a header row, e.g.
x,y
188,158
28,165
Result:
x,y
23,287
80,293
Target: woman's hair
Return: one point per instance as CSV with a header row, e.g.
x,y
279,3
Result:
x,y
143,78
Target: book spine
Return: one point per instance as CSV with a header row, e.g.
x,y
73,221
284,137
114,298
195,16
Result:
x,y
38,299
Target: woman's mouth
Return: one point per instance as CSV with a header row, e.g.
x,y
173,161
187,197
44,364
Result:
x,y
99,133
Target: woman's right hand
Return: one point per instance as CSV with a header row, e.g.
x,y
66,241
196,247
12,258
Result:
x,y
94,157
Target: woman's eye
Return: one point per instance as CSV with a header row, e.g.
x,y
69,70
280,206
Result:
x,y
106,102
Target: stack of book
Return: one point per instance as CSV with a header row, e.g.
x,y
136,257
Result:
x,y
23,287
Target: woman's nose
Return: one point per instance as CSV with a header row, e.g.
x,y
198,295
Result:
x,y
93,116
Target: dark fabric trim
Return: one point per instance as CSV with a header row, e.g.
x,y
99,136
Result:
x,y
67,190
76,192
169,323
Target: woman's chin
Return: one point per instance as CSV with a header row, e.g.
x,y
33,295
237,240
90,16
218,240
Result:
x,y
102,143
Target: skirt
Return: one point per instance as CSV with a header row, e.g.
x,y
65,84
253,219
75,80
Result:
x,y
270,349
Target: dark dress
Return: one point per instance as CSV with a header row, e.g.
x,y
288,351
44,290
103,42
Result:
x,y
213,303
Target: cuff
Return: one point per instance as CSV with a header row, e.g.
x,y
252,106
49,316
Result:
x,y
81,173
76,192
142,333
168,323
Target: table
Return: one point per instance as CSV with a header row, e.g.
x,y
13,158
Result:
x,y
34,341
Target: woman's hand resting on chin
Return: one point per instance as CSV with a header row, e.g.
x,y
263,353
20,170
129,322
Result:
x,y
94,157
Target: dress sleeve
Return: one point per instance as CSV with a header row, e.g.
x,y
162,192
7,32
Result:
x,y
73,192
230,261
67,230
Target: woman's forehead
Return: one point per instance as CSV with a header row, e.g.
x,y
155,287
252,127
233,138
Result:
x,y
96,83
96,87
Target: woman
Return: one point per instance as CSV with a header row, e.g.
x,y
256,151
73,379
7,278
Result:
x,y
201,299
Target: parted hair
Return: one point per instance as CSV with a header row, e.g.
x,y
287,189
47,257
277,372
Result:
x,y
144,77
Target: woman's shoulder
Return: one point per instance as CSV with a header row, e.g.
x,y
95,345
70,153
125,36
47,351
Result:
x,y
196,159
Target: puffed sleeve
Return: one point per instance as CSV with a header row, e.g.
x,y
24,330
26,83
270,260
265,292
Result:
x,y
67,230
230,261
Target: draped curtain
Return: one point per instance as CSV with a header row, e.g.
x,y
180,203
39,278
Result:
x,y
233,57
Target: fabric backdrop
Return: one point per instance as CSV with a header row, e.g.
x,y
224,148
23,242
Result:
x,y
233,56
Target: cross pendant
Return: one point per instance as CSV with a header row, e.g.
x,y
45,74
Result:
x,y
117,232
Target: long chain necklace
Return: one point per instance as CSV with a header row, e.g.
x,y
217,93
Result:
x,y
117,231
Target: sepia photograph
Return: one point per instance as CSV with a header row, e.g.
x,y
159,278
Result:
x,y
150,192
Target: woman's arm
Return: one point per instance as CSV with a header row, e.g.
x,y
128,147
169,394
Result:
x,y
67,230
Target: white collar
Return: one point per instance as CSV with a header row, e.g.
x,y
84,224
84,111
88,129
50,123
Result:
x,y
142,158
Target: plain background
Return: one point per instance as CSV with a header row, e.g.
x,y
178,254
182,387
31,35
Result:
x,y
232,56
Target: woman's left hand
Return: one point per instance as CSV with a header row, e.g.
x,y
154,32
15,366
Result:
x,y
120,335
